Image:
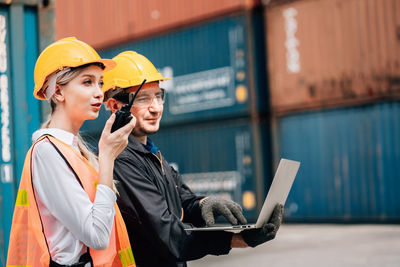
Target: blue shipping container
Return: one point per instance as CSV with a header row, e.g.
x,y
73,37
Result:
x,y
217,68
350,167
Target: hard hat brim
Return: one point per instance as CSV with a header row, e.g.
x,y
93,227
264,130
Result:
x,y
109,64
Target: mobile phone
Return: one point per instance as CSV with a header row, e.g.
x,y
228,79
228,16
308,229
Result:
x,y
124,116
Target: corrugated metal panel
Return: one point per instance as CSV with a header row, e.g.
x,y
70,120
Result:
x,y
7,140
349,163
206,85
220,158
123,20
334,52
20,112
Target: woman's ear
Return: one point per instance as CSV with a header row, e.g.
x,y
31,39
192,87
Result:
x,y
59,94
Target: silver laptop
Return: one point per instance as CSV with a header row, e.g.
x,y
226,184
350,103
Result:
x,y
277,194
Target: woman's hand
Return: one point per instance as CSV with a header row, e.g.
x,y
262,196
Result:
x,y
110,145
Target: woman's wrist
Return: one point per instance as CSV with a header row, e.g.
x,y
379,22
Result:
x,y
106,167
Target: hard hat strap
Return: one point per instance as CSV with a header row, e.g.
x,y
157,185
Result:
x,y
51,88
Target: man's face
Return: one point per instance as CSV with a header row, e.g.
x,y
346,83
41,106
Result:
x,y
146,109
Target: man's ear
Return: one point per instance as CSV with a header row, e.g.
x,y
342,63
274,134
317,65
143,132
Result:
x,y
113,105
59,94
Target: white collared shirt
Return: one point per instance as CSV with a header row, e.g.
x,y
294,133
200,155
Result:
x,y
71,221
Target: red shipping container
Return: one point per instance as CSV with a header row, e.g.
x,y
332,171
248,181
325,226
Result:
x,y
326,53
104,23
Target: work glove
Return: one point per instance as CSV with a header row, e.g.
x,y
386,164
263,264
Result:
x,y
212,207
255,237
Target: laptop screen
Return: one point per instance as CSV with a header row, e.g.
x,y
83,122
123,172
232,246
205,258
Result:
x,y
279,189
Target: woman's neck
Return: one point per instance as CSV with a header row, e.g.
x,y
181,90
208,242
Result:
x,y
61,121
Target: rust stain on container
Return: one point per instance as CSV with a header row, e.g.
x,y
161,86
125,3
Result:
x,y
326,53
104,23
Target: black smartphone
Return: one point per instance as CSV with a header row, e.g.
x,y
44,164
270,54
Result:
x,y
123,116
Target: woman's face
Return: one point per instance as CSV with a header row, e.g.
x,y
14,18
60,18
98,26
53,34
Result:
x,y
83,95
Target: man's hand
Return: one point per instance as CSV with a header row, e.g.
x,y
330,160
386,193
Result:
x,y
213,206
255,237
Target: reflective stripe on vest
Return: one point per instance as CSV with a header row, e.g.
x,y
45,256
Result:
x,y
28,247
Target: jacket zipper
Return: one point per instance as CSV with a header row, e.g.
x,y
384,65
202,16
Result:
x,y
162,166
166,179
160,160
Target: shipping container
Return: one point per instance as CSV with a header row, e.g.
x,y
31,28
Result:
x,y
330,53
349,163
229,159
104,23
25,27
216,69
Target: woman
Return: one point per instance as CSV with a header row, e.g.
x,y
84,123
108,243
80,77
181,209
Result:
x,y
65,213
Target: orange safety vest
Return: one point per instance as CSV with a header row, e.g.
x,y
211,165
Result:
x,y
28,246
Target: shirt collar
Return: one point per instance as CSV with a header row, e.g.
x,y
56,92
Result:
x,y
66,137
151,147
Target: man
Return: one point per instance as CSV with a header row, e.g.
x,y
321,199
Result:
x,y
155,204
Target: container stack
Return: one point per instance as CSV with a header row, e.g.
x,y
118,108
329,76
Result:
x,y
334,72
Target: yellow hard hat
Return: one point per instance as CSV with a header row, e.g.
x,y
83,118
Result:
x,y
132,68
67,52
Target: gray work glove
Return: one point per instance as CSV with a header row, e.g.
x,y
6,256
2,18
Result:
x,y
255,237
213,206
